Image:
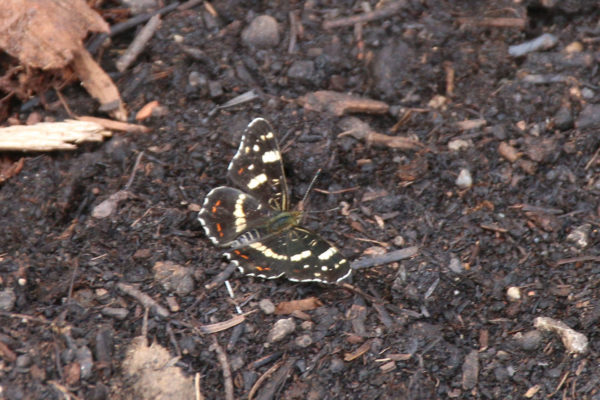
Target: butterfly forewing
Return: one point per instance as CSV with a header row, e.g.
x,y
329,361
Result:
x,y
257,167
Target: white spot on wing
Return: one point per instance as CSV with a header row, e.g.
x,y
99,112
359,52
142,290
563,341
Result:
x,y
257,181
300,256
327,254
271,156
238,213
256,148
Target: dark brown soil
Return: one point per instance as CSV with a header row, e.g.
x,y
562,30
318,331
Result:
x,y
442,325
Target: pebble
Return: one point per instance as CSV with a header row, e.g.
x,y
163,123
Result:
x,y
464,179
543,42
174,277
7,299
303,340
529,340
459,144
215,89
281,329
390,63
301,70
580,236
336,365
589,117
262,33
470,370
266,306
513,293
23,361
84,358
563,119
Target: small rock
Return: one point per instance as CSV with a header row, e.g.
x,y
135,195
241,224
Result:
x,y
7,299
455,265
215,89
281,329
513,293
543,42
470,370
303,341
580,236
113,312
391,63
174,277
464,179
529,341
196,79
262,33
302,70
589,117
266,306
337,365
563,119
23,361
459,144
83,356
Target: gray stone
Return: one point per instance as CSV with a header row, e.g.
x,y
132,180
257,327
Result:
x,y
262,33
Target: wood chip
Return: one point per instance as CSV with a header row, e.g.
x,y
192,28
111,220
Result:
x,y
509,152
358,129
288,307
49,136
341,103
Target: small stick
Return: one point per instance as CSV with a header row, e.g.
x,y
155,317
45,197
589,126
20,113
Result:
x,y
230,291
135,167
199,395
222,357
386,258
144,299
137,46
383,12
131,23
221,277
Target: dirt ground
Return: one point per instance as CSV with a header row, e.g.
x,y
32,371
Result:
x,y
500,196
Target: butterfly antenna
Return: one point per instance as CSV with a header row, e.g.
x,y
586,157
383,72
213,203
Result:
x,y
312,183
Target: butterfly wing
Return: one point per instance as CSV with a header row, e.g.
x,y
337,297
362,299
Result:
x,y
257,167
229,215
296,254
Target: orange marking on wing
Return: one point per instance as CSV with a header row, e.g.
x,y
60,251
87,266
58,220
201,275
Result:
x,y
241,171
214,208
220,229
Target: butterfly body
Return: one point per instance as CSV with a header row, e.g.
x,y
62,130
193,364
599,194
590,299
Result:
x,y
255,225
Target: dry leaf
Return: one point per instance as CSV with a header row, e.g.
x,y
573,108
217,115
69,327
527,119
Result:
x,y
46,33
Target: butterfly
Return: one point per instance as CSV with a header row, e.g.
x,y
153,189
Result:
x,y
254,223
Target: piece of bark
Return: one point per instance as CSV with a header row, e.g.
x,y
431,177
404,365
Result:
x,y
98,84
361,130
48,136
116,125
341,103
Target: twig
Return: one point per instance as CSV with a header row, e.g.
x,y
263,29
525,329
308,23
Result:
x,y
294,28
260,380
116,125
131,23
138,44
383,12
199,395
385,259
222,357
273,385
594,157
144,299
135,167
221,277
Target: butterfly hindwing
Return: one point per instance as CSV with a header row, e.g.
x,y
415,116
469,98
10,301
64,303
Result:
x,y
228,212
296,254
257,167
